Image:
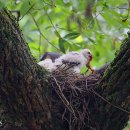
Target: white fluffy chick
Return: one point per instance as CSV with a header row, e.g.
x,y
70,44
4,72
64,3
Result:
x,y
79,58
75,61
48,65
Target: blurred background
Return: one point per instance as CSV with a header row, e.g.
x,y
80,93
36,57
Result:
x,y
71,25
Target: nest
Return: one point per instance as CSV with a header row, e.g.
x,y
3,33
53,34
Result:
x,y
72,95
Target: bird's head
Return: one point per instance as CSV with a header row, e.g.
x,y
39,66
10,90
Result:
x,y
87,54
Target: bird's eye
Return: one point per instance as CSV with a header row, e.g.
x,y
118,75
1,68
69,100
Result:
x,y
89,53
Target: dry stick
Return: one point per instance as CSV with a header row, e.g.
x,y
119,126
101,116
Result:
x,y
59,66
63,114
86,84
109,102
64,100
74,104
70,127
81,117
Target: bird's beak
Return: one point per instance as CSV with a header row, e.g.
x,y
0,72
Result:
x,y
90,57
88,64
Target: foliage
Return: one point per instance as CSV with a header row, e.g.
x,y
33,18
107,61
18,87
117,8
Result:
x,y
66,25
128,127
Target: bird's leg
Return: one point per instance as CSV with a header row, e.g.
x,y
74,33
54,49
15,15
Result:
x,y
86,71
89,67
92,70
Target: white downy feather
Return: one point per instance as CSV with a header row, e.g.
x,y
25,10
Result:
x,y
47,64
77,57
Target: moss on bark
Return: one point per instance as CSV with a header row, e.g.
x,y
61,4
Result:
x,y
22,82
115,88
24,85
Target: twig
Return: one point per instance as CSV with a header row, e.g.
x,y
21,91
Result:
x,y
39,48
26,12
63,98
75,94
52,22
42,33
119,108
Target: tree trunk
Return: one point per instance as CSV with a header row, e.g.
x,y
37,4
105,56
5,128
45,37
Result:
x,y
24,99
23,88
115,87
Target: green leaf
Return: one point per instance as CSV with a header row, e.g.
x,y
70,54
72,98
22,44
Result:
x,y
57,34
25,8
1,5
48,27
91,40
61,44
34,47
72,35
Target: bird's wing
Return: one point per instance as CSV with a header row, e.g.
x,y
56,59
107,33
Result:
x,y
50,55
71,58
74,53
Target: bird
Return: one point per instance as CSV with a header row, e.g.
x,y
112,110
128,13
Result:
x,y
48,65
76,59
73,60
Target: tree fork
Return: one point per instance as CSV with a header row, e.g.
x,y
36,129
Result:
x,y
24,99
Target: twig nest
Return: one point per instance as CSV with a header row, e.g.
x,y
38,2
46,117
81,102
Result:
x,y
71,95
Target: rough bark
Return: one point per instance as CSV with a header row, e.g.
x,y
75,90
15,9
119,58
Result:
x,y
115,87
24,86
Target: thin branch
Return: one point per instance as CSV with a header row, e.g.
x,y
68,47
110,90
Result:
x,y
39,48
63,98
49,4
27,12
42,33
90,22
52,22
119,108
